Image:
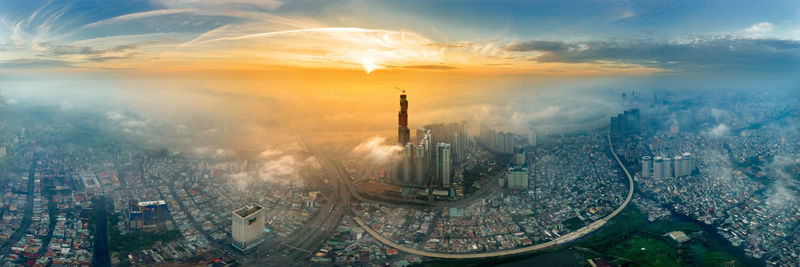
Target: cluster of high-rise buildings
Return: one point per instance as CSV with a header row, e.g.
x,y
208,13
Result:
x,y
626,122
660,167
429,160
497,141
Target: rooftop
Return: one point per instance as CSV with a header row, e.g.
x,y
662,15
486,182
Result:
x,y
247,210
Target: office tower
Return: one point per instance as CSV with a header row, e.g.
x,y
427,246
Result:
x,y
520,158
647,164
420,134
403,133
460,141
248,226
532,139
459,147
658,167
443,168
421,166
2,151
408,159
430,150
626,123
668,168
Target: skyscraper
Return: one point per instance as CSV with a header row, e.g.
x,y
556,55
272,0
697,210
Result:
x,y
248,226
403,133
408,160
422,165
443,168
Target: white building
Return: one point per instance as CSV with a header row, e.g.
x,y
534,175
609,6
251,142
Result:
x,y
248,226
517,176
647,165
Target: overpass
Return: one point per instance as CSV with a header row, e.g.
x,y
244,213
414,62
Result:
x,y
549,244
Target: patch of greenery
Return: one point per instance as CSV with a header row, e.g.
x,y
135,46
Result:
x,y
653,251
137,241
629,232
573,223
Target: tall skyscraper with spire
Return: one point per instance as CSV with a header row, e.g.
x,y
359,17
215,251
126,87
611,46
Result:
x,y
403,133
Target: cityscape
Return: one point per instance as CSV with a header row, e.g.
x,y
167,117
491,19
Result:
x,y
421,133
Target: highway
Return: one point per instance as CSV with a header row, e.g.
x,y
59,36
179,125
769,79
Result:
x,y
558,241
308,238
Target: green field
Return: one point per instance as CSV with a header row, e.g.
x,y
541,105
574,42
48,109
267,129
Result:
x,y
136,241
651,251
622,239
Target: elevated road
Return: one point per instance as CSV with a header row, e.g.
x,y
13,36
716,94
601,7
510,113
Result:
x,y
552,243
310,236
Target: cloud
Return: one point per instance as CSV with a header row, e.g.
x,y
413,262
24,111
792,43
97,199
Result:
x,y
710,53
780,196
369,49
279,167
718,166
215,153
781,192
546,114
777,168
136,16
265,5
376,150
34,63
114,116
718,131
720,114
269,153
758,30
425,67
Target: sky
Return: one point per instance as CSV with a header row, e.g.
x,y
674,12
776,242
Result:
x,y
332,66
554,38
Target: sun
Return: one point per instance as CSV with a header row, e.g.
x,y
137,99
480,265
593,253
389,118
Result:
x,y
369,65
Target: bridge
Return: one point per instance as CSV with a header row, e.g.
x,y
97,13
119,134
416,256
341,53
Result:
x,y
549,244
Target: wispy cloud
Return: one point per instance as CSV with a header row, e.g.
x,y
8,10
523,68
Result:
x,y
136,16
